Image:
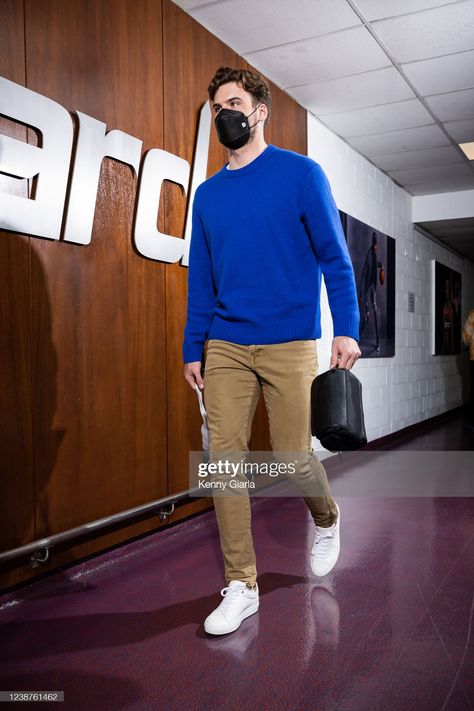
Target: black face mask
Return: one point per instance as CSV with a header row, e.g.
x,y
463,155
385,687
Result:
x,y
233,128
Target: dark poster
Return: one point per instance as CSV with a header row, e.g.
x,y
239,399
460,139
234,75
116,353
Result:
x,y
447,310
373,258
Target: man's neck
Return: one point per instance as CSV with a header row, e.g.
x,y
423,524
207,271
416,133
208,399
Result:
x,y
245,155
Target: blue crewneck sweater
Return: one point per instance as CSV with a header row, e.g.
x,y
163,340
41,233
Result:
x,y
262,235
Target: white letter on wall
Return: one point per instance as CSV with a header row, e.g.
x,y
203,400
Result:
x,y
93,144
158,165
43,215
199,171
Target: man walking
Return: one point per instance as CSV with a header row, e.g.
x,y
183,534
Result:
x,y
468,338
265,227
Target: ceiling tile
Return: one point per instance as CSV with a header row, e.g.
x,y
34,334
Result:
x,y
433,172
418,158
454,106
431,33
407,140
460,131
338,54
445,185
441,74
378,119
378,9
346,52
381,86
247,25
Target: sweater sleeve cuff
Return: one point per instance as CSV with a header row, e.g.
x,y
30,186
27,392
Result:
x,y
192,353
346,325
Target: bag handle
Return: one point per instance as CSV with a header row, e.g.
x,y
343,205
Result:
x,y
201,403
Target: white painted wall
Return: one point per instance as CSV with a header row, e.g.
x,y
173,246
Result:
x,y
413,385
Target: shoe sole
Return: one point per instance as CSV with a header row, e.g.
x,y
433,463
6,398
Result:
x,y
246,613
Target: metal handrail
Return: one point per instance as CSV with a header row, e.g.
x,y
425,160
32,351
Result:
x,y
35,548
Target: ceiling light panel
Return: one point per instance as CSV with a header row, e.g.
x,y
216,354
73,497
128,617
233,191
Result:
x,y
468,149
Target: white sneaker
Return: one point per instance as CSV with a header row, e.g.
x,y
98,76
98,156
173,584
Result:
x,y
325,551
239,602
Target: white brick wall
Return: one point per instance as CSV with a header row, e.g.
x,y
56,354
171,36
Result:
x,y
413,385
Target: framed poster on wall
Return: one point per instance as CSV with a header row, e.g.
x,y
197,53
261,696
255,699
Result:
x,y
373,257
445,309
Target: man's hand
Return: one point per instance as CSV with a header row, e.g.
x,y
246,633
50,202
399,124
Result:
x,y
344,353
192,373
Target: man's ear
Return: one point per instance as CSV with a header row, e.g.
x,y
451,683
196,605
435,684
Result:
x,y
265,112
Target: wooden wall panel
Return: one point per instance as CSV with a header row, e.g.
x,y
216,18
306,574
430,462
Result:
x,y
98,318
16,452
97,450
102,417
105,298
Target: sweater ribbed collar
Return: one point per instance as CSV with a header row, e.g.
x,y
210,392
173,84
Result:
x,y
253,165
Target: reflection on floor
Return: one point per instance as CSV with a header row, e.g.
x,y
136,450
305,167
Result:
x,y
389,629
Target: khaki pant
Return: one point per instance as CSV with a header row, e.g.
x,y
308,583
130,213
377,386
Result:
x,y
234,375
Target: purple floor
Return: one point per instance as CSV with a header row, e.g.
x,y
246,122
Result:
x,y
389,629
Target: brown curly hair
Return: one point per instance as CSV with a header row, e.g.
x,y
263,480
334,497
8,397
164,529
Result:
x,y
252,82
